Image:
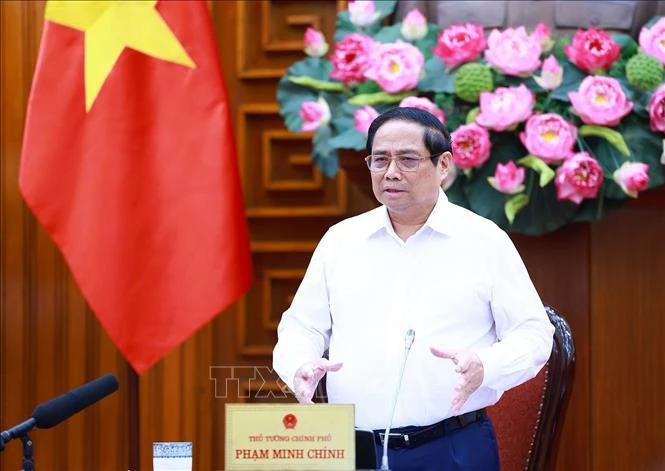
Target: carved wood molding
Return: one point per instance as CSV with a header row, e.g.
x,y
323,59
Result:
x,y
265,14
265,111
268,275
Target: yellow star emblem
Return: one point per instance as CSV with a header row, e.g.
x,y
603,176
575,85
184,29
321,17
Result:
x,y
110,27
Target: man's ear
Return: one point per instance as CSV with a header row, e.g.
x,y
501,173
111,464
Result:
x,y
445,161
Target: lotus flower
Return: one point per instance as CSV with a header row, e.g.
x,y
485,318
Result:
x,y
600,100
657,110
592,50
549,137
505,107
508,178
351,58
632,177
314,114
396,67
315,43
364,117
551,74
513,51
362,13
543,34
471,146
414,25
458,44
652,40
578,178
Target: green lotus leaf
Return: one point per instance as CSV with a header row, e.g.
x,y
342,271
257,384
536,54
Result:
x,y
514,205
379,97
534,163
610,135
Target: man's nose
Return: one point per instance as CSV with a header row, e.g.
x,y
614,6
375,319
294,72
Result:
x,y
393,172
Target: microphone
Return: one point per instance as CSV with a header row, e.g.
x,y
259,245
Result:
x,y
409,337
54,411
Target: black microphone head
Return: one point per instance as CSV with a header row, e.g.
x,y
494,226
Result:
x,y
56,410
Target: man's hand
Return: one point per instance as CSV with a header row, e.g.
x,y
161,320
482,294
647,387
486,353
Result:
x,y
308,376
471,373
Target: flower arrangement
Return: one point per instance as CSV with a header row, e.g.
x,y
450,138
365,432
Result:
x,y
545,131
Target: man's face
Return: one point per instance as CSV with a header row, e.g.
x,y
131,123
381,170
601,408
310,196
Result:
x,y
400,191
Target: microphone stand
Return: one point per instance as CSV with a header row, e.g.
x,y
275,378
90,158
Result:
x,y
28,463
408,341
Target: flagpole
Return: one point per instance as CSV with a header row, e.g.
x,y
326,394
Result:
x,y
134,417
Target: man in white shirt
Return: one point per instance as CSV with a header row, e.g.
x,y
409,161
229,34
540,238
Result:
x,y
423,264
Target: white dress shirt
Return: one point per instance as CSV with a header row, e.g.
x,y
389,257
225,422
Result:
x,y
458,282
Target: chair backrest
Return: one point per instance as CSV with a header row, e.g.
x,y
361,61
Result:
x,y
528,419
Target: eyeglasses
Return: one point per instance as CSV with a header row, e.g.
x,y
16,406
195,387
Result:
x,y
406,163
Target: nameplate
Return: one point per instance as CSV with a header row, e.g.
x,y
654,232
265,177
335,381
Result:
x,y
290,436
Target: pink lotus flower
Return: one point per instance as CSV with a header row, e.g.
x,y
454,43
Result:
x,y
364,117
414,25
652,40
505,107
578,178
657,110
632,177
450,177
592,50
362,13
507,178
600,100
549,137
543,34
351,58
471,146
458,44
314,114
396,67
424,104
513,51
551,74
315,43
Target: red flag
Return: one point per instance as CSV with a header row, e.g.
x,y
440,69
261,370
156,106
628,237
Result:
x,y
129,163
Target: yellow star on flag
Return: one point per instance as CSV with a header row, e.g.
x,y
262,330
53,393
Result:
x,y
110,27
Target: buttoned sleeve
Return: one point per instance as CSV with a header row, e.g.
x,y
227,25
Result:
x,y
304,331
523,328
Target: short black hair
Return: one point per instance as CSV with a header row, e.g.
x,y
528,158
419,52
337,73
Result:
x,y
435,136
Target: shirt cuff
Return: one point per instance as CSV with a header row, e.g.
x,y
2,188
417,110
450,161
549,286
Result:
x,y
491,367
286,369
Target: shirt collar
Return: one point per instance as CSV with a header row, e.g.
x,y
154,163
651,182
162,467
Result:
x,y
440,219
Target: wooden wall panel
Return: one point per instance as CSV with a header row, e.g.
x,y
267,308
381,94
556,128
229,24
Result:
x,y
627,331
177,401
559,267
49,341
